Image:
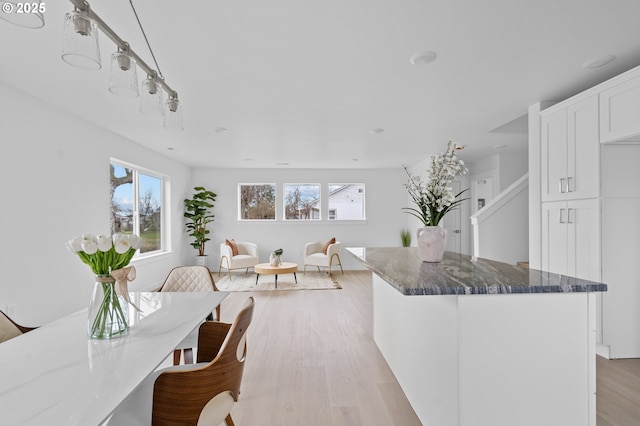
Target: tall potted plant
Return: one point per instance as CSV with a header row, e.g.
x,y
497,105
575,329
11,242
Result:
x,y
198,214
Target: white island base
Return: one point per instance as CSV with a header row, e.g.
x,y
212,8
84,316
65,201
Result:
x,y
491,360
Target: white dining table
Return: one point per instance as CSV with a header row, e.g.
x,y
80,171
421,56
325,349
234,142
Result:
x,y
56,375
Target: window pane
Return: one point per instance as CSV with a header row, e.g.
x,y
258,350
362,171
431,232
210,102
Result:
x,y
301,201
150,211
121,199
346,201
257,202
136,205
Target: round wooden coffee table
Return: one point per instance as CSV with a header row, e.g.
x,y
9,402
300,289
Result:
x,y
284,268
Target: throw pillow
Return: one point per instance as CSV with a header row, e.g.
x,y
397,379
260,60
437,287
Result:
x,y
327,244
234,247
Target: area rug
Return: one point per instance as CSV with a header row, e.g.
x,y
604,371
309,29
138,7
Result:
x,y
312,280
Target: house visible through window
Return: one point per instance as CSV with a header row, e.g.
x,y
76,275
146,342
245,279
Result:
x,y
301,201
346,201
136,205
257,201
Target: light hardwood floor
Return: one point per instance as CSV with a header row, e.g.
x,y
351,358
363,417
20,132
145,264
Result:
x,y
312,361
618,392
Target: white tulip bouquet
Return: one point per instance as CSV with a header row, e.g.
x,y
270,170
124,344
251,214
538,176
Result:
x,y
108,258
104,254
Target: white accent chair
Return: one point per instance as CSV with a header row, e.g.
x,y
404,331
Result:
x,y
247,257
189,278
314,256
203,393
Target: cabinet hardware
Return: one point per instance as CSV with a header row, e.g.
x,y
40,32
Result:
x,y
561,214
562,185
569,186
569,215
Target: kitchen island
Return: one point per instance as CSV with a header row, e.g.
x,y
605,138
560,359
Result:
x,y
474,342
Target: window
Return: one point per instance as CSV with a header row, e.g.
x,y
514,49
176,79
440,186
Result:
x,y
136,205
257,201
301,201
346,201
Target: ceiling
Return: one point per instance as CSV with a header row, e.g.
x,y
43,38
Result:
x,y
304,82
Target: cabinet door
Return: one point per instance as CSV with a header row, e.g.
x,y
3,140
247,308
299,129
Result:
x,y
583,150
583,224
554,237
619,111
554,156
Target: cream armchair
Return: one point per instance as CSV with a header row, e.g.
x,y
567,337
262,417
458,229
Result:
x,y
315,256
247,257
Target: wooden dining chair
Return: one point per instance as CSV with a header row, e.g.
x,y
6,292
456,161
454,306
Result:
x,y
10,329
199,394
189,278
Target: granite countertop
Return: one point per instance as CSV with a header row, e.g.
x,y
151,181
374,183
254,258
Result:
x,y
461,274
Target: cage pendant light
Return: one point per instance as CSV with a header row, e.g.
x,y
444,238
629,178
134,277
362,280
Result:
x,y
123,79
23,14
80,46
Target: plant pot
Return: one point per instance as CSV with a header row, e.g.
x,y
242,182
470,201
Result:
x,y
432,241
274,260
201,260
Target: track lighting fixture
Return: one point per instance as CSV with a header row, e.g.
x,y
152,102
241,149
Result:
x,y
80,45
173,113
123,79
81,49
151,96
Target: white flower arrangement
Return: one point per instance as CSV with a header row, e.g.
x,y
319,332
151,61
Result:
x,y
435,197
104,254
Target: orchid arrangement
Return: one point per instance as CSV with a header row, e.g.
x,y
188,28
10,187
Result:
x,y
435,197
104,254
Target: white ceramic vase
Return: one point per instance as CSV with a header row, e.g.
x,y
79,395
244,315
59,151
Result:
x,y
275,260
432,241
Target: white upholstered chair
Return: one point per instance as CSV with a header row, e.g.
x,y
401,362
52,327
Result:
x,y
246,256
189,278
314,255
200,394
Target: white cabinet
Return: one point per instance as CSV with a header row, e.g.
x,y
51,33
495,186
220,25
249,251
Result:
x,y
571,238
570,152
620,112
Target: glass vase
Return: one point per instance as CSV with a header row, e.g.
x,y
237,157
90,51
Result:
x,y
108,312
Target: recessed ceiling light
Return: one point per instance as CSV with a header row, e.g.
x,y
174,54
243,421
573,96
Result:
x,y
248,159
598,61
171,148
423,58
220,129
499,146
354,159
377,130
282,164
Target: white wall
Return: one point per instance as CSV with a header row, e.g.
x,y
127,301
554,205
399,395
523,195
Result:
x,y
55,185
385,196
512,166
502,226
